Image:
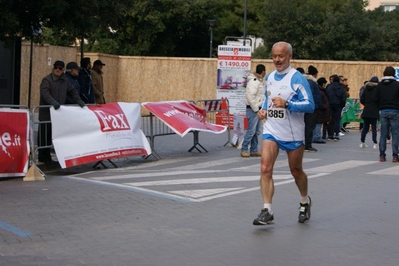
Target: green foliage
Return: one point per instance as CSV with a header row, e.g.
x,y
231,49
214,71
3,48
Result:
x,y
328,29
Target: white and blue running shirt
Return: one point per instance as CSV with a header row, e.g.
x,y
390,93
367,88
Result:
x,y
293,87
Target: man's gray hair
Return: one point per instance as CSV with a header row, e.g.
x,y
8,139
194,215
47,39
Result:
x,y
289,46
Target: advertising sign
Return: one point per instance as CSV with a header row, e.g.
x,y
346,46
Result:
x,y
234,66
183,117
97,132
14,142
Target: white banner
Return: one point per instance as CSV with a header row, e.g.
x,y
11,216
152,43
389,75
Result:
x,y
97,132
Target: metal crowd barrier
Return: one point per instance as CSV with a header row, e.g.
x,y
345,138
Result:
x,y
217,112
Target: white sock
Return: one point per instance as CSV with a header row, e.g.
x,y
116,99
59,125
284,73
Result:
x,y
268,206
305,199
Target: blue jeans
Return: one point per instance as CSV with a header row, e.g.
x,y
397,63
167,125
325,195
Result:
x,y
317,133
389,120
253,131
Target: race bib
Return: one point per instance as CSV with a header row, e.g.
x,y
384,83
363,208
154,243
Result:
x,y
276,113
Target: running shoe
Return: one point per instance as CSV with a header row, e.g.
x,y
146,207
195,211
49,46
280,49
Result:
x,y
304,211
264,218
362,145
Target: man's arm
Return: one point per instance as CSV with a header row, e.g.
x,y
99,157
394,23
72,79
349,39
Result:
x,y
302,101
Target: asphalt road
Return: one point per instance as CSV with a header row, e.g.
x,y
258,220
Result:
x,y
192,208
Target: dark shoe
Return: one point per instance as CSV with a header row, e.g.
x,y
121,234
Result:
x,y
310,149
395,159
330,138
256,154
264,218
304,211
319,142
336,138
382,158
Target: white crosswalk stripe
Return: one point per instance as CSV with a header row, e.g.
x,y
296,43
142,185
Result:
x,y
198,182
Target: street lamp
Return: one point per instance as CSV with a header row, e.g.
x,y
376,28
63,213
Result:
x,y
211,23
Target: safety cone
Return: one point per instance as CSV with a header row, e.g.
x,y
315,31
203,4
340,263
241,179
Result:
x,y
34,173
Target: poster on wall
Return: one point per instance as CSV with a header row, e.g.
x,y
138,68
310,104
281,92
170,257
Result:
x,y
234,66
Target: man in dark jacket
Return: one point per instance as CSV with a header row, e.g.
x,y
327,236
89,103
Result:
x,y
386,96
370,113
72,74
323,113
311,118
85,81
337,98
53,91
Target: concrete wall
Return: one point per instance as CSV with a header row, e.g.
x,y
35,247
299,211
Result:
x,y
142,79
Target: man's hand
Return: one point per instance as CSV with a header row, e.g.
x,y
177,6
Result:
x,y
56,105
81,104
262,114
278,102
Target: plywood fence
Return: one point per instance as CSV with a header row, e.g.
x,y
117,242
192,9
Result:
x,y
142,79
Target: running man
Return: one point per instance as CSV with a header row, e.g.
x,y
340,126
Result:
x,y
288,97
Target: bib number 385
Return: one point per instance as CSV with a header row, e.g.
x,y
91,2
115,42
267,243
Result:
x,y
276,113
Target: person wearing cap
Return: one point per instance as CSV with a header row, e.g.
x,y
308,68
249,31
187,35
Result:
x,y
85,82
386,96
54,90
370,113
98,84
311,118
72,74
323,113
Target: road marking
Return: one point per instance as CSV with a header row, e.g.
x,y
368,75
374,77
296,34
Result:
x,y
223,194
199,193
14,230
331,168
386,171
203,180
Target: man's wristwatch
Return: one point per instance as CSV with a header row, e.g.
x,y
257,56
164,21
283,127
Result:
x,y
286,104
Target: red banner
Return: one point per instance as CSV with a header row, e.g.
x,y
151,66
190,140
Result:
x,y
14,144
183,117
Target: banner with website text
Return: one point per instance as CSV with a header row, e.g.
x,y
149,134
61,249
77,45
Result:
x,y
14,142
183,117
97,132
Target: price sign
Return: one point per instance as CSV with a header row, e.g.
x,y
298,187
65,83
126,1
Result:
x,y
229,64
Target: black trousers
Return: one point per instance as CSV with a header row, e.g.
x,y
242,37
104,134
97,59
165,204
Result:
x,y
310,124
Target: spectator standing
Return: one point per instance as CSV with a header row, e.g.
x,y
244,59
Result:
x,y
98,84
337,98
386,96
323,113
288,97
54,89
85,81
254,100
311,118
72,74
370,113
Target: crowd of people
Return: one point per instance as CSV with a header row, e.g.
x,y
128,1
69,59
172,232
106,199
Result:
x,y
330,97
68,84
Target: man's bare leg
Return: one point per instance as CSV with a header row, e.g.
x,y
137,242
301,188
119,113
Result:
x,y
270,151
